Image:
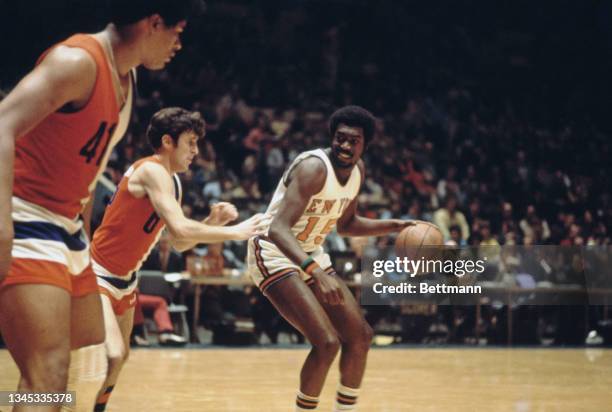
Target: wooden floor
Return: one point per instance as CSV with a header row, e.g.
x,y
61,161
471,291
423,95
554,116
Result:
x,y
265,380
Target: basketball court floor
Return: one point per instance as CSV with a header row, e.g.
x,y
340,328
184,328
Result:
x,y
412,379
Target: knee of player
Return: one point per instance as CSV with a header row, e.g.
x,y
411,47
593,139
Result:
x,y
368,334
328,344
48,372
114,364
361,341
116,361
126,355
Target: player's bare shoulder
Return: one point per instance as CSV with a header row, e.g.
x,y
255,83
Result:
x,y
74,58
73,69
311,168
148,175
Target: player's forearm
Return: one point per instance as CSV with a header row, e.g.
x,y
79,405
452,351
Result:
x,y
196,232
282,237
182,245
7,156
361,226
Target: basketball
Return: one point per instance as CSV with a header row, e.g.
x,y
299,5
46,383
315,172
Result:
x,y
422,240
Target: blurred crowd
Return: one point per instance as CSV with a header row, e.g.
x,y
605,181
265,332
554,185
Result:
x,y
475,140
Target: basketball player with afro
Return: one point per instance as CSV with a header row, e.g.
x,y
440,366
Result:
x,y
317,193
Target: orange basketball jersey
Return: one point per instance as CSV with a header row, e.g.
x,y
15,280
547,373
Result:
x,y
130,228
57,162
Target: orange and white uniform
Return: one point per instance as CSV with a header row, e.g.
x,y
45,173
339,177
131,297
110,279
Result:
x,y
266,263
129,230
57,164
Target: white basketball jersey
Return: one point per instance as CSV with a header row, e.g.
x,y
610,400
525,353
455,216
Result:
x,y
323,209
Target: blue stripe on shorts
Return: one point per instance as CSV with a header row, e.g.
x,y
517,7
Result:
x,y
49,231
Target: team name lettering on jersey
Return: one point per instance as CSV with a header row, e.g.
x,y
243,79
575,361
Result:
x,y
326,206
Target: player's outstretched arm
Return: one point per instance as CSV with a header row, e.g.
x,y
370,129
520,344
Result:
x,y
220,214
350,224
158,185
306,180
66,75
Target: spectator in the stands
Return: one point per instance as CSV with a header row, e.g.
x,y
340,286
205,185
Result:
x,y
164,258
448,216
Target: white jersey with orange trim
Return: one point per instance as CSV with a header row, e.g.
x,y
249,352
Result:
x,y
267,265
324,208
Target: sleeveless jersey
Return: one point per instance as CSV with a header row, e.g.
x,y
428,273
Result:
x,y
129,230
58,162
323,209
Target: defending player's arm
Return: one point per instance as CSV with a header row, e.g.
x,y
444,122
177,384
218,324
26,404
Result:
x,y
351,224
65,76
306,180
158,185
220,215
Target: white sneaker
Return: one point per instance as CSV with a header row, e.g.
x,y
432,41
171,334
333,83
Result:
x,y
140,341
170,339
593,338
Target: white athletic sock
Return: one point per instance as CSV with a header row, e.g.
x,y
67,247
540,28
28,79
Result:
x,y
88,368
346,399
305,402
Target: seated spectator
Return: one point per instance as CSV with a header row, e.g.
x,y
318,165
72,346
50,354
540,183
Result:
x,y
449,185
213,261
475,215
573,233
489,250
448,216
508,224
414,211
533,226
456,239
164,258
161,316
487,238
420,179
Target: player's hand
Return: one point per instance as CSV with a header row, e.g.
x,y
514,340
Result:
x,y
254,226
327,287
402,224
221,214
